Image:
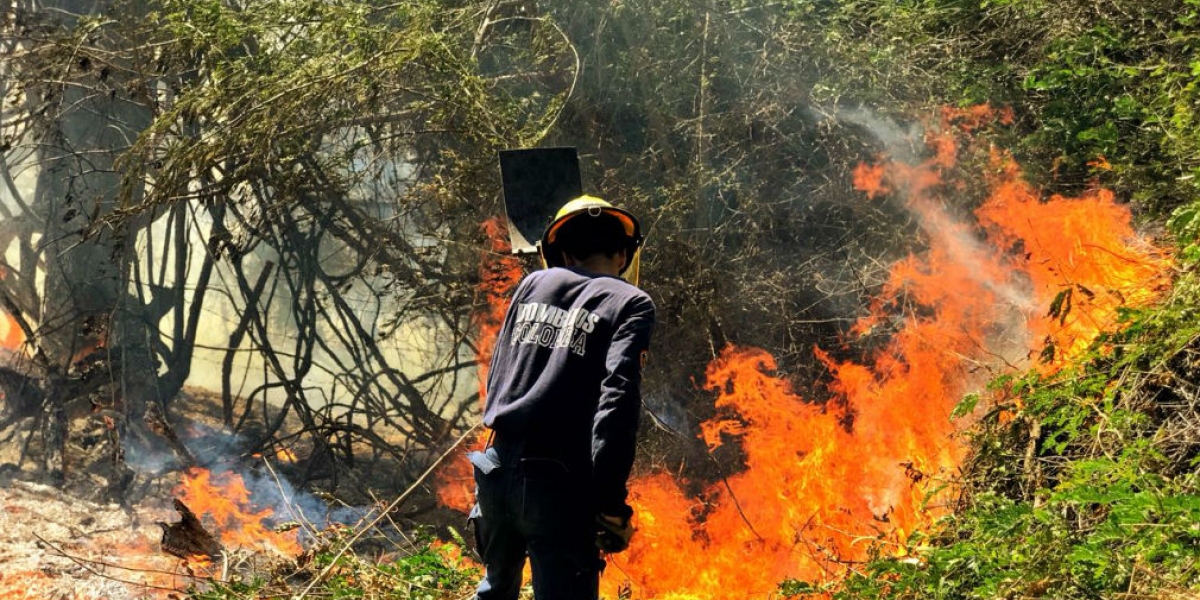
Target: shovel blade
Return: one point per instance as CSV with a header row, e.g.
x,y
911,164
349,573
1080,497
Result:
x,y
537,181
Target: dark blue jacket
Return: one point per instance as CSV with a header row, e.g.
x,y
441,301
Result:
x,y
565,377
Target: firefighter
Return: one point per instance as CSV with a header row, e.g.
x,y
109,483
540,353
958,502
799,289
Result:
x,y
563,400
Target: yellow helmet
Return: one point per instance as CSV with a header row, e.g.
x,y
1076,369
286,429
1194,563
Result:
x,y
591,206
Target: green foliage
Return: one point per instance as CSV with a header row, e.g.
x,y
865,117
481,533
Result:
x,y
219,590
431,571
428,574
1124,91
261,91
1104,91
1100,532
1185,224
796,587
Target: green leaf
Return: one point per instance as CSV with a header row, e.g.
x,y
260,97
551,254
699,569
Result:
x,y
965,406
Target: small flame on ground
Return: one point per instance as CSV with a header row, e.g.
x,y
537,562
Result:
x,y
117,563
198,563
222,500
21,585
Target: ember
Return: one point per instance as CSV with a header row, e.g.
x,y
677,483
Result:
x,y
11,336
56,546
286,455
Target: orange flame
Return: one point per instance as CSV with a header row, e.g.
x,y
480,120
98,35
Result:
x,y
1081,251
225,501
822,484
286,455
500,272
11,335
197,563
812,494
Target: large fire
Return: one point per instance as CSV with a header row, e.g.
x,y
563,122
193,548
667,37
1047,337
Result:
x,y
815,496
1023,281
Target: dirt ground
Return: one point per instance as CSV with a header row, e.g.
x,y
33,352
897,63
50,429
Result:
x,y
54,546
97,536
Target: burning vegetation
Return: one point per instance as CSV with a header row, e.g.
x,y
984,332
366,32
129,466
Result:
x,y
826,487
863,477
870,473
244,319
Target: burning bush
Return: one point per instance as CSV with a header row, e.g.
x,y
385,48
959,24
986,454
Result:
x,y
1082,481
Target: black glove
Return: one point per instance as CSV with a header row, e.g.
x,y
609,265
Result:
x,y
613,533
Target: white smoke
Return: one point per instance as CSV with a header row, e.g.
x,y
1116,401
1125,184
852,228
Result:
x,y
223,452
906,144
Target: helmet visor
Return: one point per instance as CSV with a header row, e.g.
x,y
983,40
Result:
x,y
627,221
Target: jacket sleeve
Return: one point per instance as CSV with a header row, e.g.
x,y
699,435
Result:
x,y
614,429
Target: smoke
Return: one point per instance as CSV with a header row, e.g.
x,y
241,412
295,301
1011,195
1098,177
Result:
x,y
222,453
149,456
915,172
668,413
268,489
901,142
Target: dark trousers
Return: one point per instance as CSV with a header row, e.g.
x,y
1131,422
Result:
x,y
535,507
